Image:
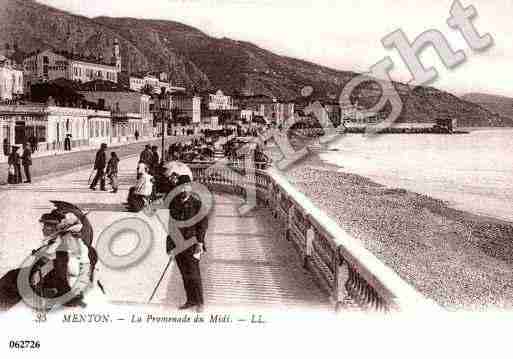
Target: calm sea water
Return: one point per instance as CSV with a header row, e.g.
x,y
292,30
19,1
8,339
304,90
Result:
x,y
473,172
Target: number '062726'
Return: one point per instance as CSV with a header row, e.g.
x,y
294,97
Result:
x,y
24,344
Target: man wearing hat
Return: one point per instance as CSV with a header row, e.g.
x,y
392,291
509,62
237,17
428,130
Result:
x,y
26,161
99,165
154,160
146,156
182,208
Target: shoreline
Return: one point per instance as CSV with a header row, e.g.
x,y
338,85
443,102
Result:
x,y
459,259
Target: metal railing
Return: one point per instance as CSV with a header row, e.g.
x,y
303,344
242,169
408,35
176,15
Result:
x,y
340,263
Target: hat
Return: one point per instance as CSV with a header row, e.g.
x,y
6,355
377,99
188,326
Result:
x,y
54,217
182,179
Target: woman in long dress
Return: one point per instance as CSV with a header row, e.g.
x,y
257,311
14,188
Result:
x,y
14,162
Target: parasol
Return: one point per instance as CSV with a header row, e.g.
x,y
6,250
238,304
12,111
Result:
x,y
177,167
87,230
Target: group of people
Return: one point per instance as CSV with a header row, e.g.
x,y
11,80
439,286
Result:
x,y
196,150
105,169
15,162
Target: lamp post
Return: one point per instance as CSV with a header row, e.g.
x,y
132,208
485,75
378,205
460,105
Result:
x,y
163,107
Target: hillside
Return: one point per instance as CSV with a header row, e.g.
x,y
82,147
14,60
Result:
x,y
196,60
500,105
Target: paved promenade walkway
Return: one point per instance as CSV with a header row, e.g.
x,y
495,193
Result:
x,y
247,264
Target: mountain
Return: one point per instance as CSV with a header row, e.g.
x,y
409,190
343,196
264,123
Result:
x,y
197,60
500,105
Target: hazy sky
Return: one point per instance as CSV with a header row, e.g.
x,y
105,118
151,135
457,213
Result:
x,y
343,34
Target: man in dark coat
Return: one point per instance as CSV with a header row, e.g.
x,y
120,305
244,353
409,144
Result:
x,y
146,156
154,160
67,143
26,161
99,165
184,207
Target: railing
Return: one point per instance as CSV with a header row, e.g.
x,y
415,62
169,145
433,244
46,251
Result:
x,y
341,264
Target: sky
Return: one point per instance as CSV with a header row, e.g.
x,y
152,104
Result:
x,y
342,34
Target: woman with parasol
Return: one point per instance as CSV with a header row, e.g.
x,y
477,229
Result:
x,y
67,245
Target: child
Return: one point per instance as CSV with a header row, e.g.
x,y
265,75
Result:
x,y
112,171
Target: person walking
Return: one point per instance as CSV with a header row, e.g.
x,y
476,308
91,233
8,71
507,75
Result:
x,y
136,134
99,165
26,161
67,143
146,156
112,171
184,207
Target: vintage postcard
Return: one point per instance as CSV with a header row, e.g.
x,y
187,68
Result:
x,y
318,171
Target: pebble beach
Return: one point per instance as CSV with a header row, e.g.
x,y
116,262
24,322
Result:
x,y
461,260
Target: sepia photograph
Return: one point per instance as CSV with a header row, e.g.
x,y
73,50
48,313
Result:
x,y
335,169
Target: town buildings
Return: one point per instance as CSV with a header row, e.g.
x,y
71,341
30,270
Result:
x,y
188,108
49,65
268,109
11,80
130,112
50,125
218,101
153,81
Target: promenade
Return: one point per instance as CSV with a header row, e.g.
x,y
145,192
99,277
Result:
x,y
248,263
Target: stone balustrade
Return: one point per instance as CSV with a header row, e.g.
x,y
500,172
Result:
x,y
340,263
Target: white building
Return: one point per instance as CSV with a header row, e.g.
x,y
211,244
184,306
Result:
x,y
220,101
130,112
11,80
51,124
137,83
49,65
188,106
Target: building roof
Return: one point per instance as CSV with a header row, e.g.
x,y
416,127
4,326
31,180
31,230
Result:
x,y
75,57
103,85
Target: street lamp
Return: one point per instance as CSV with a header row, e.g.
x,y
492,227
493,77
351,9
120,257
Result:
x,y
162,108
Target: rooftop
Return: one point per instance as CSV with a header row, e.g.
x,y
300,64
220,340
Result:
x,y
75,57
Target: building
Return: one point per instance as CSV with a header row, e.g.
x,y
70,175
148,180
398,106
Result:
x,y
272,110
130,112
188,107
247,115
50,125
219,101
11,80
50,65
137,82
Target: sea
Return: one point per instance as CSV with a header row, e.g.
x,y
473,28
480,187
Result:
x,y
471,172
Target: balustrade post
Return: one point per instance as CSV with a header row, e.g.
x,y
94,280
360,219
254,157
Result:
x,y
342,276
290,219
310,237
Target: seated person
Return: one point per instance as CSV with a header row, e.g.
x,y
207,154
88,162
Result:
x,y
141,168
139,195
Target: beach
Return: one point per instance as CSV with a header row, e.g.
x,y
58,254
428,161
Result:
x,y
460,258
